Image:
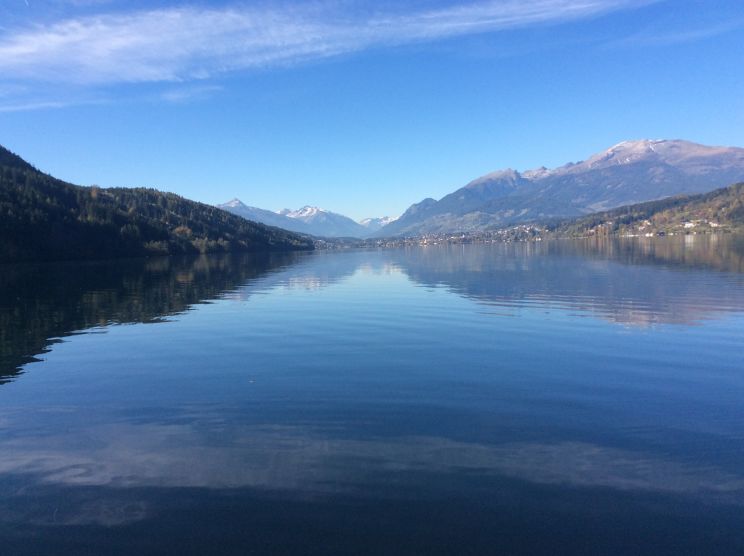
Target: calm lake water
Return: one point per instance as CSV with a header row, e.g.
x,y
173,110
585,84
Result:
x,y
548,398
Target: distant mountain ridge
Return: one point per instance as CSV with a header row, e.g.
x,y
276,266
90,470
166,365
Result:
x,y
326,223
308,220
627,173
43,218
237,207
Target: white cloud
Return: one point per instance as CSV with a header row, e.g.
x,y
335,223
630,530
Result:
x,y
36,105
186,43
305,459
665,37
189,93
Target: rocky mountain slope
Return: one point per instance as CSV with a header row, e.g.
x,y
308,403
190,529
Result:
x,y
629,172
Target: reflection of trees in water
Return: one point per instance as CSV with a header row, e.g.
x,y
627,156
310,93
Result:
x,y
718,252
625,281
41,302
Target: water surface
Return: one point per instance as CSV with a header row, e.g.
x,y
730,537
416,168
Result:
x,y
556,397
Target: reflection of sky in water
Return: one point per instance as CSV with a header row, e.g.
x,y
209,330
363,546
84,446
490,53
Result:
x,y
303,459
381,375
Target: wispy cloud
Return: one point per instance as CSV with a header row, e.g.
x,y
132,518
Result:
x,y
186,43
23,107
312,460
662,38
189,93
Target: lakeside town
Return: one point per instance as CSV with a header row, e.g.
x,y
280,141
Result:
x,y
527,233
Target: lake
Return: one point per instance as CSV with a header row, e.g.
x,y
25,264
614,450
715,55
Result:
x,y
535,398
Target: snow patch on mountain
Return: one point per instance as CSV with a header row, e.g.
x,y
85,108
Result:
x,y
306,212
374,224
233,203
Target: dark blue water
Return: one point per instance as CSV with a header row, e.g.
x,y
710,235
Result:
x,y
546,398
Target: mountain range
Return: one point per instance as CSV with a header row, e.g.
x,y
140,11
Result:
x,y
309,220
323,222
43,218
627,173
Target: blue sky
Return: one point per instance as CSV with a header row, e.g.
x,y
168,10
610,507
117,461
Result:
x,y
359,107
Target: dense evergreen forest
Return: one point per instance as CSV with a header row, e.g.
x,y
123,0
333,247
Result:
x,y
719,210
43,218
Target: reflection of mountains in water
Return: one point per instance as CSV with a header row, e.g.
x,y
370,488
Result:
x,y
311,271
624,281
629,282
41,303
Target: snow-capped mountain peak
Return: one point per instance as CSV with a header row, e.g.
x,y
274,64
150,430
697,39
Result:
x,y
305,212
233,203
374,224
626,152
308,220
325,223
627,173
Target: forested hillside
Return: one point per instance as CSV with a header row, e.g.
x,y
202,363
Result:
x,y
43,218
719,210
